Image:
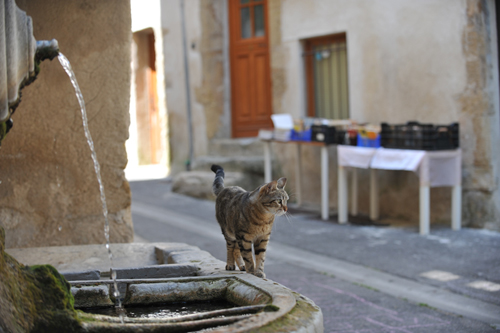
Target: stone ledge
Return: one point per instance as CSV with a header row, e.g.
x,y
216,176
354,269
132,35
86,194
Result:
x,y
291,312
84,275
156,271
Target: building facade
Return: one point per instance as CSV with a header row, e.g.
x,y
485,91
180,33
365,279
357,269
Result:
x,y
228,65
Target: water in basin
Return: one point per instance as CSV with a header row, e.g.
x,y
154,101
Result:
x,y
166,310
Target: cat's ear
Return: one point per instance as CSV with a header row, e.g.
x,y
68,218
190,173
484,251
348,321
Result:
x,y
281,183
268,187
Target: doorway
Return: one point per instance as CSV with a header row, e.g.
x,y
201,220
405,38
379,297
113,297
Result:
x,y
147,110
250,67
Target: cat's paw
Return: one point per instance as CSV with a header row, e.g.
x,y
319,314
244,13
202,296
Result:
x,y
259,274
242,268
230,267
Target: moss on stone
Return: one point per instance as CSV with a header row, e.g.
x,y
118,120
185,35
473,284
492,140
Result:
x,y
34,299
295,319
3,130
54,300
271,308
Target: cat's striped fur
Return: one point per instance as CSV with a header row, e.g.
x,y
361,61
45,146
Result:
x,y
247,218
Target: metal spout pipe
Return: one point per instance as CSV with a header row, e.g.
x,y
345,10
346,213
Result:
x,y
46,49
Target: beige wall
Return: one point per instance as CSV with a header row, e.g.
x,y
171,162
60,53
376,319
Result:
x,y
206,38
430,61
48,192
405,57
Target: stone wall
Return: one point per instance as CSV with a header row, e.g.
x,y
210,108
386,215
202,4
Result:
x,y
407,60
49,194
479,117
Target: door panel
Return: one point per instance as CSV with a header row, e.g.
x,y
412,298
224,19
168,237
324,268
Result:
x,y
262,87
241,93
250,70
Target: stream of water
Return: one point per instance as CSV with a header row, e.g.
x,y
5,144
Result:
x,y
67,67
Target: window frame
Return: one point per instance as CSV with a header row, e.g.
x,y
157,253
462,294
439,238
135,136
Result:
x,y
309,45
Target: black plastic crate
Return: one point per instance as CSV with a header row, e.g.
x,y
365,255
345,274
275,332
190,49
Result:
x,y
324,133
343,137
414,135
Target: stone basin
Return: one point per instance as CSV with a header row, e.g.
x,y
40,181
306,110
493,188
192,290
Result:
x,y
155,273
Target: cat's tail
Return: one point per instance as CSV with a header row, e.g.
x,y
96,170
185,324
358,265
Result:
x,y
218,184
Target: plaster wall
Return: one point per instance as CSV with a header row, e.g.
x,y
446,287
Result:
x,y
49,194
208,85
405,59
430,61
175,80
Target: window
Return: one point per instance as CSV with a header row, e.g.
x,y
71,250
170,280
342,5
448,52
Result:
x,y
326,76
252,18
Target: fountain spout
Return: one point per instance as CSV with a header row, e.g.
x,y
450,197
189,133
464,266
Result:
x,y
20,56
46,49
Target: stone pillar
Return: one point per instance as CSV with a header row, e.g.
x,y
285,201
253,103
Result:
x,y
49,194
479,118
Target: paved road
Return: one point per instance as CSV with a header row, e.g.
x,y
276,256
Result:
x,y
364,278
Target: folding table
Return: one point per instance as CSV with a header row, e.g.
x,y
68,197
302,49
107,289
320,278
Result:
x,y
298,170
435,169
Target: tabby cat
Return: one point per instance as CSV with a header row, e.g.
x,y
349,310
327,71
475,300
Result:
x,y
247,218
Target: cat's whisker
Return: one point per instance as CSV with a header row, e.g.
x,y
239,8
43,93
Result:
x,y
292,193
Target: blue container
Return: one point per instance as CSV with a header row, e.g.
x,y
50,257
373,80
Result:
x,y
365,142
301,135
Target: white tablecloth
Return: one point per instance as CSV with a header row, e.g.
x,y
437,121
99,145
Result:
x,y
357,157
397,159
435,168
444,168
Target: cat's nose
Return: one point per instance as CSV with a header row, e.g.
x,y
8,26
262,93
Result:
x,y
285,208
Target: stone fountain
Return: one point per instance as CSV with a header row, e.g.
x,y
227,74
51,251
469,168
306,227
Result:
x,y
35,297
20,57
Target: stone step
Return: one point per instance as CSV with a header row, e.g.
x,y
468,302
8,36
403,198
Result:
x,y
247,164
236,147
198,184
251,168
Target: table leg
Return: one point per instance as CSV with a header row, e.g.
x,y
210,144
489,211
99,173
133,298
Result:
x,y
267,162
298,175
374,199
456,207
425,192
354,192
324,183
342,194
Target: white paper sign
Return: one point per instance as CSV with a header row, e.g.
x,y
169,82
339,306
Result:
x,y
282,121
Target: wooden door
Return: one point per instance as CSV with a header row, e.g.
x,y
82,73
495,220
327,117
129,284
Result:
x,y
250,70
